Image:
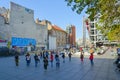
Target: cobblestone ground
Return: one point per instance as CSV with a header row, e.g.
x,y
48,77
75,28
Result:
x,y
103,69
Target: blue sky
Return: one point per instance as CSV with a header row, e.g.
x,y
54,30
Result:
x,y
56,11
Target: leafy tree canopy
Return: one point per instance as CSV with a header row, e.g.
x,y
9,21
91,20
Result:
x,y
107,12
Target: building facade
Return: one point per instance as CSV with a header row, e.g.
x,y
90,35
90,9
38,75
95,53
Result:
x,y
57,37
20,24
95,35
71,30
4,26
61,36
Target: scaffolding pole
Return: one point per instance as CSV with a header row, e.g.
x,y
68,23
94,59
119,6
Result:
x,y
84,33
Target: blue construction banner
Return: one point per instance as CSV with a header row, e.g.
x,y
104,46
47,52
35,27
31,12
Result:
x,y
22,41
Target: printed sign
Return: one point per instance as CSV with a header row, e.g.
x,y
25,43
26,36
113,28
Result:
x,y
23,41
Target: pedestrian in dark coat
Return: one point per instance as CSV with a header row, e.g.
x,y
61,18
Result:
x,y
69,55
82,56
17,60
63,56
45,60
36,58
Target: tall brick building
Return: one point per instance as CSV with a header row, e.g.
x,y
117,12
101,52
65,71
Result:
x,y
72,35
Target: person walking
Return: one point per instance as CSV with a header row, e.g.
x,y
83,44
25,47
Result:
x,y
17,59
69,55
46,54
41,54
36,58
45,60
63,56
82,56
28,59
57,61
51,59
91,57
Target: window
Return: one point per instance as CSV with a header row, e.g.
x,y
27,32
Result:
x,y
92,32
92,25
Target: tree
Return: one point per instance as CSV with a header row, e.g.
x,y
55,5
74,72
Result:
x,y
80,5
109,14
114,35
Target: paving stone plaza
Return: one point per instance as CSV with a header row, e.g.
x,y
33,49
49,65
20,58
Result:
x,y
103,69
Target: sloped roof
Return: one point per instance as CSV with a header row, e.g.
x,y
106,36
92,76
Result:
x,y
57,28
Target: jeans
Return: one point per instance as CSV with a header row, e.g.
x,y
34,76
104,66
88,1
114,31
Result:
x,y
91,61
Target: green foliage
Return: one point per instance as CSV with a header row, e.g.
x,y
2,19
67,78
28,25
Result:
x,y
109,19
77,1
114,34
118,45
79,5
8,44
